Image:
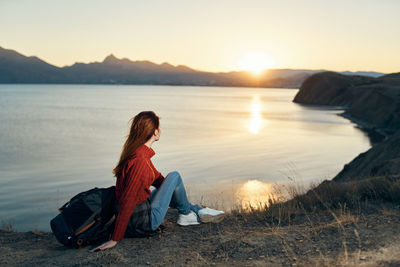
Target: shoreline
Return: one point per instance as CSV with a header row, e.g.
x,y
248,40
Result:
x,y
375,135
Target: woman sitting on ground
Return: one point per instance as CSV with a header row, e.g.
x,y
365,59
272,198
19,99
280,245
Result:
x,y
139,210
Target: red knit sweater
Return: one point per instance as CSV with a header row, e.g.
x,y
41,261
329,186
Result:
x,y
133,187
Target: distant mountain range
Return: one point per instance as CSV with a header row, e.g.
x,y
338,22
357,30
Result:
x,y
17,68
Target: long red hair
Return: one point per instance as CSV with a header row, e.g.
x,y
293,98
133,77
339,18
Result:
x,y
142,129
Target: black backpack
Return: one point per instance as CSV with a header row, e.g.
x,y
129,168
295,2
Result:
x,y
86,219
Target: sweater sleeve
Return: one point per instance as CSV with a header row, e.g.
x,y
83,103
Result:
x,y
158,181
127,201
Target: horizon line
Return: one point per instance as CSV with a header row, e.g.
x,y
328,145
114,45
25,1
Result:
x,y
183,65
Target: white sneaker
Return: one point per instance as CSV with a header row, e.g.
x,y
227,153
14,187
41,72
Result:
x,y
188,219
208,215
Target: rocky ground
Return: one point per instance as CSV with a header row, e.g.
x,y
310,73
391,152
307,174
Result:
x,y
326,238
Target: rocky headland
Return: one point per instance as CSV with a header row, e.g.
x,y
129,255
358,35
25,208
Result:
x,y
372,103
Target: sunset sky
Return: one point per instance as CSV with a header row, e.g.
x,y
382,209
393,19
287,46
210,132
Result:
x,y
207,35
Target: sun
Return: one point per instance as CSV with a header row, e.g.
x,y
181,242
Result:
x,y
255,62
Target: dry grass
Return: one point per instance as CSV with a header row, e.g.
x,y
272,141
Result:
x,y
339,199
6,226
331,207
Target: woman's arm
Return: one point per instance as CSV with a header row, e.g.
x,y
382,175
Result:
x,y
134,182
106,245
127,201
158,181
159,178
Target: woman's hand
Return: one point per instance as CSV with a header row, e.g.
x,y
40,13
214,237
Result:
x,y
106,245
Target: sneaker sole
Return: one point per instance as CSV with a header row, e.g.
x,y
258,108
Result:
x,y
187,224
207,218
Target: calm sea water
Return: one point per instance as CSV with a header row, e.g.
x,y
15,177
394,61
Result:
x,y
227,143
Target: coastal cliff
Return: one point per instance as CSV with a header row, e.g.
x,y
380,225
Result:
x,y
380,160
374,104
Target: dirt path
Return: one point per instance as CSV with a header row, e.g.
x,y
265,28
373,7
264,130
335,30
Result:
x,y
364,240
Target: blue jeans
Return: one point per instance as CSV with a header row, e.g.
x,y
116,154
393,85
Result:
x,y
172,194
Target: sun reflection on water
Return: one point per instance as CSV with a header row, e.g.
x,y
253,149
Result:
x,y
256,118
255,194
